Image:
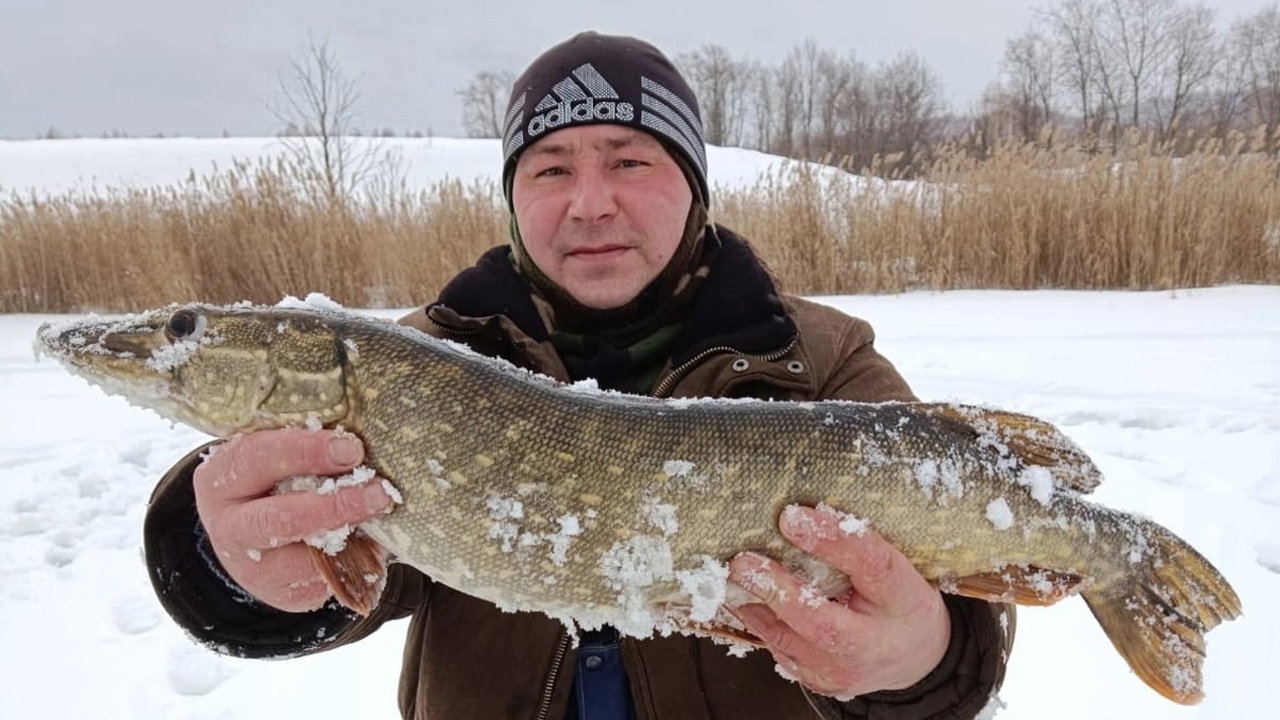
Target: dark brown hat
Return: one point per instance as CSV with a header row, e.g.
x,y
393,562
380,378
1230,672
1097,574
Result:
x,y
593,78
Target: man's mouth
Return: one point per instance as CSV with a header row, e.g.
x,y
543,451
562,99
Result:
x,y
598,253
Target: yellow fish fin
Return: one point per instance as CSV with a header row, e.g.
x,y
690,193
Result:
x,y
356,574
1156,615
1031,440
1018,584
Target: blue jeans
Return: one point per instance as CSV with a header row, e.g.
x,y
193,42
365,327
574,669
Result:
x,y
600,687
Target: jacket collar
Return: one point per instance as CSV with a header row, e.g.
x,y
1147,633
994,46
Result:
x,y
736,307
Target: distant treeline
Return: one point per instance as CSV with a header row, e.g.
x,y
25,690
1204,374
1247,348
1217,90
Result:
x,y
1085,73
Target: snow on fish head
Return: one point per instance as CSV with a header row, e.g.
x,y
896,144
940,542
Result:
x,y
220,370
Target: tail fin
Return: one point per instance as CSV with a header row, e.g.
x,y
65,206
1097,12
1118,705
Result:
x,y
1157,615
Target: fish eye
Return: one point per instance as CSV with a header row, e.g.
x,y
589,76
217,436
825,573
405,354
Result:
x,y
185,325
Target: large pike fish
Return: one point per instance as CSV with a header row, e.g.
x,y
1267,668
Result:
x,y
596,507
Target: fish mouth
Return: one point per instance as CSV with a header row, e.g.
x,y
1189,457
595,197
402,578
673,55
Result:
x,y
93,342
133,356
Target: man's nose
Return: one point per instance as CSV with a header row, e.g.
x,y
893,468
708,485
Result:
x,y
593,198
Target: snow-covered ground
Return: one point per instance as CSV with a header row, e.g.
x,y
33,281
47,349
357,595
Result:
x,y
55,166
1175,395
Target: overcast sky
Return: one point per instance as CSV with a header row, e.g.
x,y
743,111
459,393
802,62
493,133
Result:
x,y
166,66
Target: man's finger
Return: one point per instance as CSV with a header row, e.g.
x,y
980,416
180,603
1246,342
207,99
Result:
x,y
304,590
801,660
777,635
879,572
278,520
827,625
250,465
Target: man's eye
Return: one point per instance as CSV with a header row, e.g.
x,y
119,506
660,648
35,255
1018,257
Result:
x,y
631,162
549,172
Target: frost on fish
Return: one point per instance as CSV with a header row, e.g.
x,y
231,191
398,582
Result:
x,y
328,484
505,514
312,301
940,479
999,513
677,468
660,515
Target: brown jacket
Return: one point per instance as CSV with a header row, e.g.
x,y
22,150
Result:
x,y
464,658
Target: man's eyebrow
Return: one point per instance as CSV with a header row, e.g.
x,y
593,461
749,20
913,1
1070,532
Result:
x,y
544,148
611,143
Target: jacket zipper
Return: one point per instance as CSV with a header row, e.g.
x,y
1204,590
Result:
x,y
549,689
668,382
452,330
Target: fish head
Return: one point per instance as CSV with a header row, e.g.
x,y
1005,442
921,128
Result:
x,y
221,370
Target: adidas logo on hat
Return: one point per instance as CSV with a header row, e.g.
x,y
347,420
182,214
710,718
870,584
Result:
x,y
584,96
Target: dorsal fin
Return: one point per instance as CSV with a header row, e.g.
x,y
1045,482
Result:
x,y
1030,440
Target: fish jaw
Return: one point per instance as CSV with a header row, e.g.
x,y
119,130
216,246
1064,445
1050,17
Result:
x,y
130,357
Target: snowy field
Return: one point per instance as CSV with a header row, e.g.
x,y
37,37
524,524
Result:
x,y
54,166
1175,395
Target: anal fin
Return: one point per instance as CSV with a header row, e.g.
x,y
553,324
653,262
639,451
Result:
x,y
1023,585
356,575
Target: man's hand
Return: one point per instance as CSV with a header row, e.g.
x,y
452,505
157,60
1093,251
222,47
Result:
x,y
886,633
257,535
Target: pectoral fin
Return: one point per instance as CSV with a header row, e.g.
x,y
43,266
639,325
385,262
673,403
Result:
x,y
356,574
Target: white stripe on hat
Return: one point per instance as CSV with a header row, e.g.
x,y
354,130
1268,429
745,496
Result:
x,y
594,82
514,121
513,144
567,89
674,101
666,130
692,141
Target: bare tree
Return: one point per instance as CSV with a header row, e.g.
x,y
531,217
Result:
x,y
1133,42
1226,96
909,94
1073,25
316,107
808,60
1189,64
999,115
741,103
484,101
1030,65
763,106
720,82
787,108
839,80
1258,38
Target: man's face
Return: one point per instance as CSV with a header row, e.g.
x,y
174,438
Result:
x,y
601,209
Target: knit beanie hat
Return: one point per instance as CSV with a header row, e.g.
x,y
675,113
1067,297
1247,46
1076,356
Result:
x,y
593,78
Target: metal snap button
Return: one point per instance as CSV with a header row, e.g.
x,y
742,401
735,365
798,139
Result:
x,y
740,364
593,662
795,367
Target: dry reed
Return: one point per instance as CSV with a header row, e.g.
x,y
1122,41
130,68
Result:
x,y
1022,218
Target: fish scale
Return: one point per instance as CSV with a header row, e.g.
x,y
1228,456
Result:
x,y
602,508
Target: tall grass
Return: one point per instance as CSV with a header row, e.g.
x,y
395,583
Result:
x,y
1022,218
254,232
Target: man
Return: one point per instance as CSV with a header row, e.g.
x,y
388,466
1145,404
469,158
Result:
x,y
613,273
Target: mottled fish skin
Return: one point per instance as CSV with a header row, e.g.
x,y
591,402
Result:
x,y
600,507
